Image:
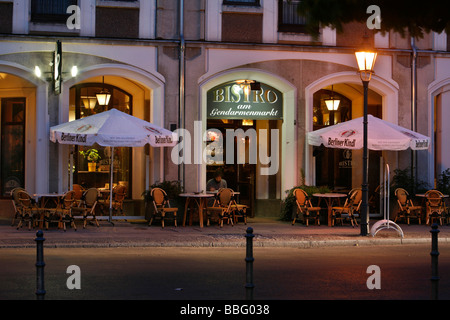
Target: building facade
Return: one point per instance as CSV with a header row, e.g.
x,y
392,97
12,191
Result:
x,y
187,65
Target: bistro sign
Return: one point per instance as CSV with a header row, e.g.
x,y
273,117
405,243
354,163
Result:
x,y
231,101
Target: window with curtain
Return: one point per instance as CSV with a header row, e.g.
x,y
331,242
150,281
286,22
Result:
x,y
289,19
50,10
242,2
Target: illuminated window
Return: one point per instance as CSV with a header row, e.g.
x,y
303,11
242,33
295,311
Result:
x,y
83,104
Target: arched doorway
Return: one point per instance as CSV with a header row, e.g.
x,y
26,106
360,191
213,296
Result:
x,y
341,169
147,97
270,188
85,103
333,166
244,120
439,160
383,103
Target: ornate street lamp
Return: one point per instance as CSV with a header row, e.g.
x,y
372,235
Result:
x,y
366,62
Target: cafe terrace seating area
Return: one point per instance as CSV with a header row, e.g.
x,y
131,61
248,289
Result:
x,y
344,208
220,207
41,210
87,205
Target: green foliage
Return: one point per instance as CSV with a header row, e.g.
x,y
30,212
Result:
x,y
172,188
289,201
443,182
402,16
403,179
91,155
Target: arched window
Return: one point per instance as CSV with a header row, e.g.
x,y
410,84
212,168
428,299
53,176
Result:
x,y
333,166
84,104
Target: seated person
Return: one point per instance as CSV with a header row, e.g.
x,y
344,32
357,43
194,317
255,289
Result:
x,y
217,182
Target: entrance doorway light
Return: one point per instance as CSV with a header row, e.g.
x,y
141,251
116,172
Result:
x,y
103,96
89,102
249,85
332,103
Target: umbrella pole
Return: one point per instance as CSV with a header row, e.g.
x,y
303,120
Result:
x,y
111,166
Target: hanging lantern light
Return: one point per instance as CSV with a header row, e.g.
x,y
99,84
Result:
x,y
103,96
332,103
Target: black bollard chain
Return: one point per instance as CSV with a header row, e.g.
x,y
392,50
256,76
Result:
x,y
40,264
249,265
434,262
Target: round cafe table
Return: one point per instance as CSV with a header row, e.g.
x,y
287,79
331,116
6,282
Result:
x,y
201,199
44,199
330,199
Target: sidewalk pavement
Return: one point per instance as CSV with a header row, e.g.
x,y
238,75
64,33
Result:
x,y
268,232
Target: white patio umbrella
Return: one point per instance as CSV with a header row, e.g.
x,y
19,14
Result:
x,y
381,135
112,128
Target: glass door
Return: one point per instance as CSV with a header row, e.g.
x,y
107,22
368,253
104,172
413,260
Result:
x,y
12,144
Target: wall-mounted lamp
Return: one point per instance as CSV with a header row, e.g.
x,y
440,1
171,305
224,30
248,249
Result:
x,y
103,96
74,71
37,71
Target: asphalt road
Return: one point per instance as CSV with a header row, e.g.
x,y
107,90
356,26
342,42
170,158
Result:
x,y
219,273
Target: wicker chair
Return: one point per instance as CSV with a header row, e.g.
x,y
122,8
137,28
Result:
x,y
79,190
119,193
30,212
305,207
68,201
87,206
239,211
435,206
407,209
352,204
161,206
223,206
16,204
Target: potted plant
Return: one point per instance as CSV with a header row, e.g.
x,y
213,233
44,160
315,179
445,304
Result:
x,y
92,156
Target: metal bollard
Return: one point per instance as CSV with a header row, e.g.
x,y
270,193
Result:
x,y
434,261
249,265
40,264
